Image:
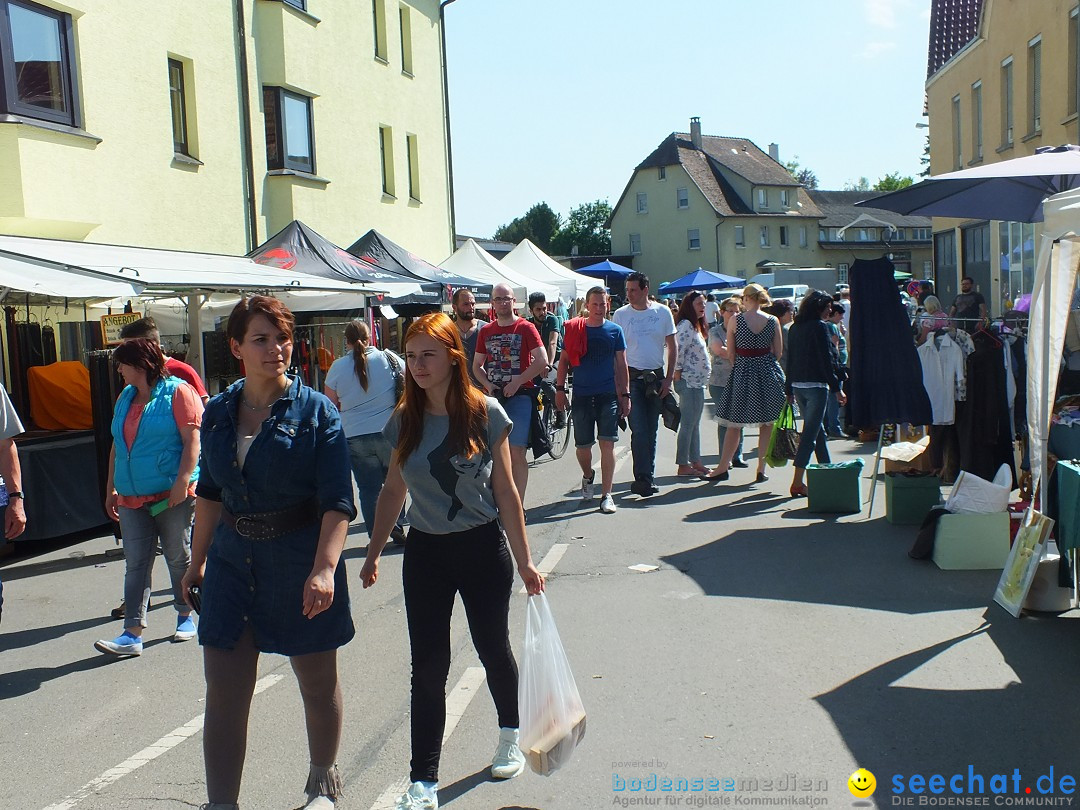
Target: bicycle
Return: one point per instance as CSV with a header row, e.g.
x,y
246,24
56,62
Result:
x,y
558,435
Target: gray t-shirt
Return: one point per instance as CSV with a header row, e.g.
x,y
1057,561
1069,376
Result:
x,y
449,493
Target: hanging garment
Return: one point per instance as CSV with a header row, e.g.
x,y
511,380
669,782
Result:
x,y
943,372
983,423
886,377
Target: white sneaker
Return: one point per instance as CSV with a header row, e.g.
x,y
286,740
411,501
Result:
x,y
418,797
607,505
587,487
508,761
320,803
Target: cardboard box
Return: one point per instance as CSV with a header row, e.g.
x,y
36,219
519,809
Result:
x,y
909,498
921,463
972,542
835,487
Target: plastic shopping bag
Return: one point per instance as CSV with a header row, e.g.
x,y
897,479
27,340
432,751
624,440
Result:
x,y
974,495
552,717
784,442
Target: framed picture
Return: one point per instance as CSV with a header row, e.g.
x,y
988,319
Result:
x,y
1020,567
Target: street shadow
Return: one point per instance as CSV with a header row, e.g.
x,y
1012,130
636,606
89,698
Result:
x,y
891,728
462,786
14,571
21,639
23,682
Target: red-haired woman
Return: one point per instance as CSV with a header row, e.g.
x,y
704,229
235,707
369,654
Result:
x,y
274,504
451,454
692,369
151,483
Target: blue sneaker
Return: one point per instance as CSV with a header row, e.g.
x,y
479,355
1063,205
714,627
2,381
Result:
x,y
185,628
124,644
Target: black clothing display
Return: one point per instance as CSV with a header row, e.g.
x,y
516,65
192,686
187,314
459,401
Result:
x,y
886,384
983,420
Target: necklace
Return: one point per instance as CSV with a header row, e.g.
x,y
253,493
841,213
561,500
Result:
x,y
251,407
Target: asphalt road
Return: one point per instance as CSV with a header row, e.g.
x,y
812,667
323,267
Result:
x,y
771,654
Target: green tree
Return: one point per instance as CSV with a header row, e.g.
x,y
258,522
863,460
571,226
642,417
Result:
x,y
801,173
539,225
862,184
925,159
892,182
585,229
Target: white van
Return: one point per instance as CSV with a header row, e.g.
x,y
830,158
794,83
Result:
x,y
794,293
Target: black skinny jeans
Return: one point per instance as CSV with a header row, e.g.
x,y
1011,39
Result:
x,y
475,563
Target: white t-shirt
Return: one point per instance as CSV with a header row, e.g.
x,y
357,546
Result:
x,y
712,312
9,420
364,412
646,332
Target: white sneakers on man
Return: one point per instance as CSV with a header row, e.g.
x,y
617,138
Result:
x,y
607,504
508,761
587,487
418,797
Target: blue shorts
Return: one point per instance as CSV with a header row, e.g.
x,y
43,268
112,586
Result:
x,y
595,416
519,409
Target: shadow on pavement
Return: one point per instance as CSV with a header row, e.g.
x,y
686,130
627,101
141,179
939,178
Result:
x,y
462,786
36,635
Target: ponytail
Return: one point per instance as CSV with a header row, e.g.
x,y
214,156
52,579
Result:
x,y
356,332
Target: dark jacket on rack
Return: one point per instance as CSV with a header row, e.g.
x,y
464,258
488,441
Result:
x,y
812,357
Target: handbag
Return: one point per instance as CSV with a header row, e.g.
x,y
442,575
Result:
x,y
399,377
784,442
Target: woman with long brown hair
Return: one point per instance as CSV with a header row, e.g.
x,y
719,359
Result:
x,y
692,369
451,454
362,385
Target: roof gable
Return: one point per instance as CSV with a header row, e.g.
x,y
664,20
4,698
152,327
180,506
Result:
x,y
953,24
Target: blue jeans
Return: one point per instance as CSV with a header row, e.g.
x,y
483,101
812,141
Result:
x,y
369,455
142,531
644,422
832,416
717,391
688,441
812,406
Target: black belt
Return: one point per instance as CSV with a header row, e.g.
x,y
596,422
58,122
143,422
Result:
x,y
267,525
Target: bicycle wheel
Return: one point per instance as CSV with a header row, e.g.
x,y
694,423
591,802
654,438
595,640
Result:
x,y
559,437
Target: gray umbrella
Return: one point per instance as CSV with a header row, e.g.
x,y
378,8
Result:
x,y
1011,190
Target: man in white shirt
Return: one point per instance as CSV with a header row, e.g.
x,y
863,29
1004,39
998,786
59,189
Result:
x,y
649,329
712,310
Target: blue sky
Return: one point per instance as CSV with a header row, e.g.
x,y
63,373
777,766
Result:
x,y
559,100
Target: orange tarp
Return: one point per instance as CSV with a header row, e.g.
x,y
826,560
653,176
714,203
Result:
x,y
60,396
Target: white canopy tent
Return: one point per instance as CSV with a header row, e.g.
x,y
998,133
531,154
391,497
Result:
x,y
43,278
528,260
472,261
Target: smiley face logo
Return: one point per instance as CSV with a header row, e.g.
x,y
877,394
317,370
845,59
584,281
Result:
x,y
861,783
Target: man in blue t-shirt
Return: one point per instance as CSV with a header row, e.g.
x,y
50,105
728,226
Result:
x,y
601,395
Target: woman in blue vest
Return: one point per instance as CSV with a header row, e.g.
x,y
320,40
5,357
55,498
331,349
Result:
x,y
153,468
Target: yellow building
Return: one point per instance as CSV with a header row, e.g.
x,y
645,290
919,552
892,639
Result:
x,y
1001,82
211,125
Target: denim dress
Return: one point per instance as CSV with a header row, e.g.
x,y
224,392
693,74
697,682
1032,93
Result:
x,y
299,454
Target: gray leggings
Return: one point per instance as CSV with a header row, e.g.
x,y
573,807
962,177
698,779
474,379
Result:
x,y
230,684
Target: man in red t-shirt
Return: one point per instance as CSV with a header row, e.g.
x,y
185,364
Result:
x,y
509,356
147,328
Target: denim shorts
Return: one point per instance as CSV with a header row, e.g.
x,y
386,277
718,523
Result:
x,y
519,409
595,416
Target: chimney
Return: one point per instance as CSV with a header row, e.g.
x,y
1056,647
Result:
x,y
695,132
774,151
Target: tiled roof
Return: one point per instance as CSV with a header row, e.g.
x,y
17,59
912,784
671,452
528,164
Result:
x,y
953,24
838,209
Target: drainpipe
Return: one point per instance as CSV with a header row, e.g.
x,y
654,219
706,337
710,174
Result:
x,y
246,148
446,118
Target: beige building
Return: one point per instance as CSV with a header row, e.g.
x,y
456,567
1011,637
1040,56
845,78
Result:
x,y
210,126
1001,82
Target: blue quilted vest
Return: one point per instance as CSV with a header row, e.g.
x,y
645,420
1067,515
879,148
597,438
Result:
x,y
151,464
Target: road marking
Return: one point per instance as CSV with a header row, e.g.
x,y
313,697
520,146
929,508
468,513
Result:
x,y
148,754
456,704
551,559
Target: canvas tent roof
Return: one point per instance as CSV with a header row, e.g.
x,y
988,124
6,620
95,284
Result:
x,y
375,248
528,260
473,261
41,278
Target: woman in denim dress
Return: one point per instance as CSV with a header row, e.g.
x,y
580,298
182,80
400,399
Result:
x,y
273,506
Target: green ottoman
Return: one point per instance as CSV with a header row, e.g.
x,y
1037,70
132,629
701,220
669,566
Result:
x,y
909,498
835,487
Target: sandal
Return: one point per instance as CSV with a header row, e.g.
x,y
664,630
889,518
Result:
x,y
798,490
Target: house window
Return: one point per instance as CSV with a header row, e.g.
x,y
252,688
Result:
x,y
406,40
642,202
300,4
834,235
976,122
958,147
740,236
784,197
762,198
682,197
693,239
178,106
841,273
899,234
764,236
802,236
783,236
661,172
37,61
414,167
635,244
821,234
378,10
1074,62
1007,102
386,151
866,235
1035,87
920,234
290,131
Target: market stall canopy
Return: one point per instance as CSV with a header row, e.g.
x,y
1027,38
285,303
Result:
x,y
701,280
299,247
473,261
169,270
1010,190
41,278
605,270
528,260
376,249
